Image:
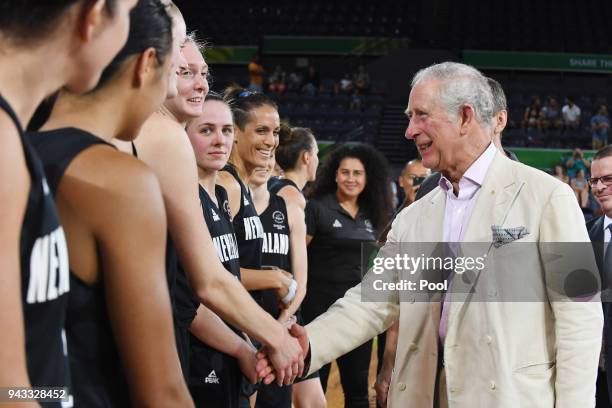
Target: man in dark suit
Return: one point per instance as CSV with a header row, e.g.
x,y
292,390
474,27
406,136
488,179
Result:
x,y
500,118
599,232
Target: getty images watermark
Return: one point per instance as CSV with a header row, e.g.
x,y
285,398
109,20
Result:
x,y
412,265
481,271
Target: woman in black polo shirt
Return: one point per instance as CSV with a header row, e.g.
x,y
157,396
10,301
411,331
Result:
x,y
350,203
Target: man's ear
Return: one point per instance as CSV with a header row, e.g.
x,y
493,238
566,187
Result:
x,y
400,181
90,17
501,119
467,118
145,66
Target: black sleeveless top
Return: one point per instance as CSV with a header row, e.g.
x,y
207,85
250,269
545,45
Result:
x,y
45,278
275,184
95,365
276,250
203,358
219,222
247,227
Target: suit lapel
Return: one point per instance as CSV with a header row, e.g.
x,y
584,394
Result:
x,y
596,234
495,199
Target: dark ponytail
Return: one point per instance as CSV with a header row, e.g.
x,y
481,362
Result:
x,y
150,27
26,21
292,143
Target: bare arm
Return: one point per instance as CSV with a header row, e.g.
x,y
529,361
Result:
x,y
132,254
211,330
14,188
299,257
169,154
258,279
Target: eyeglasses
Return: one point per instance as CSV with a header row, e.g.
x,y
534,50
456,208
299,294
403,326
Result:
x,y
606,180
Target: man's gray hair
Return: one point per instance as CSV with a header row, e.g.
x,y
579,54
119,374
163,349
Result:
x,y
499,97
460,84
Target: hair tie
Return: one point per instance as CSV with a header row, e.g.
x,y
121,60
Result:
x,y
245,94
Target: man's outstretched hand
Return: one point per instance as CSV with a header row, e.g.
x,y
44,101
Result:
x,y
265,357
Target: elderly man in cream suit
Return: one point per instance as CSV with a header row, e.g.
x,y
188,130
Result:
x,y
495,354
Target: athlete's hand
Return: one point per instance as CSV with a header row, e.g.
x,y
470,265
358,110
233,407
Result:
x,y
382,385
284,282
287,359
247,361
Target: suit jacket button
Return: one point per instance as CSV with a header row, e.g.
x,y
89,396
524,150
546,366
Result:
x,y
492,385
401,386
413,347
488,339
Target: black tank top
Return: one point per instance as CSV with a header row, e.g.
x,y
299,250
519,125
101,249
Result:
x,y
219,222
247,226
276,250
276,184
45,277
94,360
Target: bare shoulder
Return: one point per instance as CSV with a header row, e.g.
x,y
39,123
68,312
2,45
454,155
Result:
x,y
291,195
162,139
108,183
228,182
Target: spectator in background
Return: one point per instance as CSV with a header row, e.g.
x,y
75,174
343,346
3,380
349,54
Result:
x,y
551,115
571,114
350,203
294,82
600,123
576,162
256,75
346,85
356,101
531,117
561,174
362,79
581,189
312,81
278,80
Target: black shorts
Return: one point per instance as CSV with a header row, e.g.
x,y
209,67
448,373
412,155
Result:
x,y
215,378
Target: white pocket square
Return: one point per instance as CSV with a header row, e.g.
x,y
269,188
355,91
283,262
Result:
x,y
503,236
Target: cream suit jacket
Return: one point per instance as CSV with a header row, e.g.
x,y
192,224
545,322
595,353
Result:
x,y
497,354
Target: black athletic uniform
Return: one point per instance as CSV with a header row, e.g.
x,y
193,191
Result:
x,y
249,234
334,266
45,278
275,184
98,379
247,227
215,377
276,252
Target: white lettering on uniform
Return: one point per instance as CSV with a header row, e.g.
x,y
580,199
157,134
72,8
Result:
x,y
275,243
49,268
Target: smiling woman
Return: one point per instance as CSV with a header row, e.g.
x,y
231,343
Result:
x,y
351,201
257,127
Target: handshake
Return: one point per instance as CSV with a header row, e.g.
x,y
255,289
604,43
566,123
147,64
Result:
x,y
283,361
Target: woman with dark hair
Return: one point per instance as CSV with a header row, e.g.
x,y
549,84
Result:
x,y
256,127
285,248
297,156
350,203
71,41
119,322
